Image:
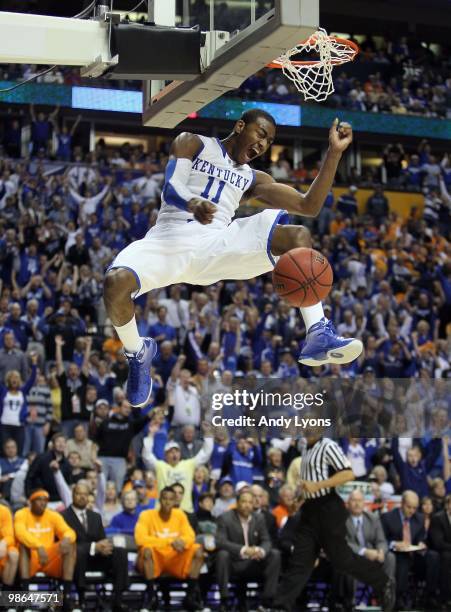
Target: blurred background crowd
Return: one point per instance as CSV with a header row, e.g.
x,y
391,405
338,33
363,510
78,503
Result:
x,y
63,371
76,190
52,139
402,76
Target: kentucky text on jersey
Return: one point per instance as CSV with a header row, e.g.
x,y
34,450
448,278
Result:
x,y
212,175
235,179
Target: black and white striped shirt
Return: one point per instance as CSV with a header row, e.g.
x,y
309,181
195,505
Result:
x,y
40,407
320,462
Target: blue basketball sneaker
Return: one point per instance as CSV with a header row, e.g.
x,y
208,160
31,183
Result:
x,y
139,382
322,346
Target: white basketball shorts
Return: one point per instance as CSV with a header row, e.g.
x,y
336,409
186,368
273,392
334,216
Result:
x,y
199,254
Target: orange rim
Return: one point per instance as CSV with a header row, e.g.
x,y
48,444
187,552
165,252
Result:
x,y
335,61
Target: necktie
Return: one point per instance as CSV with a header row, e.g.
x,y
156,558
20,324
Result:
x,y
360,535
406,537
84,520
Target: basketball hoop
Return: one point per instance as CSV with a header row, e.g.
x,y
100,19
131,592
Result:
x,y
313,78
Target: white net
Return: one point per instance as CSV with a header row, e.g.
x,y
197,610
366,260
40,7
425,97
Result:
x,y
314,78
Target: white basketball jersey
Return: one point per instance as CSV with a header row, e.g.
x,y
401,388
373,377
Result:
x,y
12,405
214,177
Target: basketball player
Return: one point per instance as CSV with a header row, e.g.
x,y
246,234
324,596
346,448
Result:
x,y
195,240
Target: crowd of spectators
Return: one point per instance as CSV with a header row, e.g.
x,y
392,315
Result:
x,y
417,171
404,77
52,139
64,418
401,77
68,431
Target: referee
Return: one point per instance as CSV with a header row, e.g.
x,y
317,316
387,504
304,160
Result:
x,y
322,526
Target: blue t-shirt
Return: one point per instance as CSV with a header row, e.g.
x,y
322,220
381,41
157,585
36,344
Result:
x,y
159,329
63,150
124,523
41,131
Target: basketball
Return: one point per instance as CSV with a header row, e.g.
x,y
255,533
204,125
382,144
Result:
x,y
302,277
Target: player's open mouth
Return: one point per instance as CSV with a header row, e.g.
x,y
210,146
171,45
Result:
x,y
252,152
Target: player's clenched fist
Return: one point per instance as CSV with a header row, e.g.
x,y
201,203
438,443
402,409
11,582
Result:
x,y
340,136
202,210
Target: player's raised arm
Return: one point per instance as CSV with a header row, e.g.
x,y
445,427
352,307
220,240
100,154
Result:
x,y
175,190
309,204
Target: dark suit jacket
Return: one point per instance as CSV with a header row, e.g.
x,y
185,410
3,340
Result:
x,y
288,533
95,530
271,526
230,536
116,564
40,475
372,532
392,524
440,532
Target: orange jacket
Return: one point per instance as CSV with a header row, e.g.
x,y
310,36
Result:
x,y
33,531
6,526
280,512
152,531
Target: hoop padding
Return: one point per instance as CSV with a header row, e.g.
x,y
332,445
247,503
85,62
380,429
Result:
x,y
314,78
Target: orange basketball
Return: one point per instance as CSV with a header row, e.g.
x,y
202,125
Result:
x,y
302,277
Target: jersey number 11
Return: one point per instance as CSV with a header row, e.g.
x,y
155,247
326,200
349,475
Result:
x,y
206,192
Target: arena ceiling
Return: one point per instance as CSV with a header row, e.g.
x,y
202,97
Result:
x,y
419,18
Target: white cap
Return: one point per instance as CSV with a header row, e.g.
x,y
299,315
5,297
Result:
x,y
240,485
171,444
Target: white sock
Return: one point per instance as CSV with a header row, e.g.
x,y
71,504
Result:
x,y
129,336
312,314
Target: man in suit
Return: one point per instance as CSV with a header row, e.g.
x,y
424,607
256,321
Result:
x,y
259,496
404,527
41,474
440,540
94,551
365,536
244,551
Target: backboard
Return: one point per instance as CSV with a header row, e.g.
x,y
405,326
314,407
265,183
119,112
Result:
x,y
242,37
